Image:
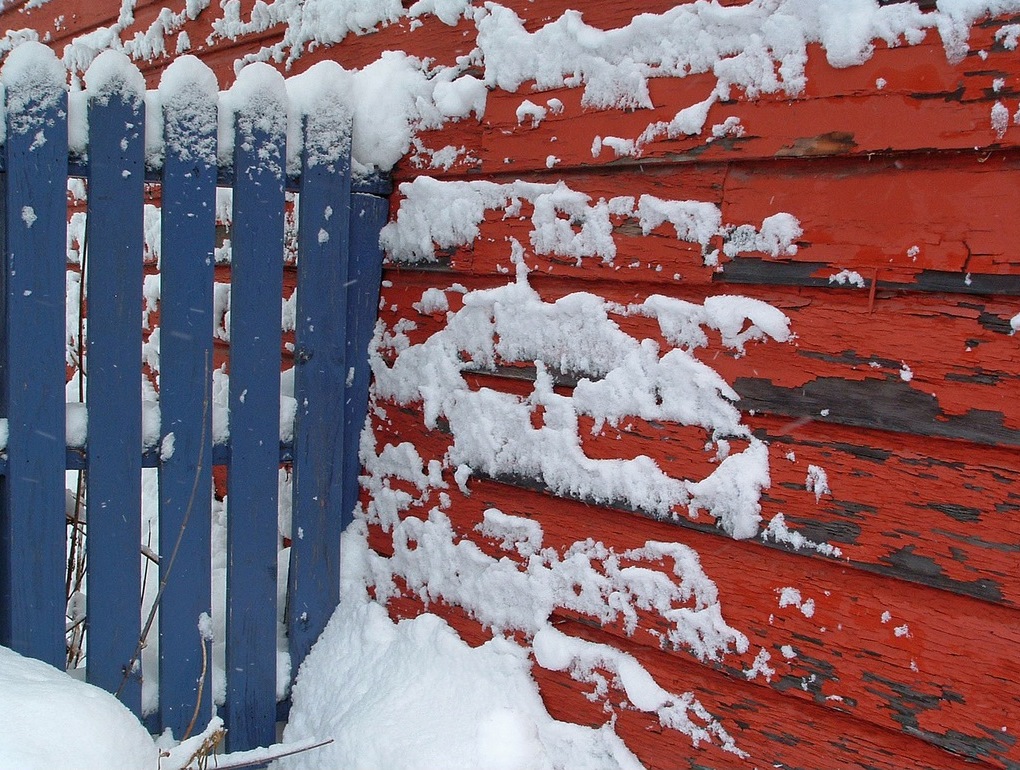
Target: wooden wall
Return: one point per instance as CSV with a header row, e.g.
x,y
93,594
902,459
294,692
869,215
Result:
x,y
903,390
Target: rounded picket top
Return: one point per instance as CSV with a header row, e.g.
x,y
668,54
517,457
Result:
x,y
35,84
321,118
111,74
188,92
255,107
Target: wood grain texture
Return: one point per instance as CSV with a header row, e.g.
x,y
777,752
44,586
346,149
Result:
x,y
31,381
903,672
254,403
188,203
113,394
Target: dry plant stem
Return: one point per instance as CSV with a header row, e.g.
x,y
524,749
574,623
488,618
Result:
x,y
268,757
76,550
201,689
208,747
180,536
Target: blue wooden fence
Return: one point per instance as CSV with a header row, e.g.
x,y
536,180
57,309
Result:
x,y
338,277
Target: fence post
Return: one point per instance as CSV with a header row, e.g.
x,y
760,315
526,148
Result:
x,y
113,373
320,364
252,483
34,196
188,242
368,215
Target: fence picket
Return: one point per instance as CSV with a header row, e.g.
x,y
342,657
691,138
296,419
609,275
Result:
x,y
32,527
252,492
113,371
368,215
320,362
186,336
339,273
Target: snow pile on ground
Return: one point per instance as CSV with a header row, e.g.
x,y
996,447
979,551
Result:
x,y
413,695
53,721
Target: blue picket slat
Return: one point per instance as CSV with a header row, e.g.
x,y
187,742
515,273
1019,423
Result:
x,y
188,242
368,215
113,475
32,527
320,363
339,272
254,403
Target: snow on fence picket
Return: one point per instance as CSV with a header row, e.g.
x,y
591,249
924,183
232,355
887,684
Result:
x,y
339,265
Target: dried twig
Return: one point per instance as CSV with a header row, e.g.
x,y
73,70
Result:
x,y
180,536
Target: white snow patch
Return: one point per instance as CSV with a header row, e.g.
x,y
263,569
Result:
x,y
790,597
779,532
848,277
1000,119
817,481
52,720
367,679
565,222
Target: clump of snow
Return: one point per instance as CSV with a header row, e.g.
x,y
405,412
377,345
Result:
x,y
778,531
1008,35
188,94
255,104
790,597
34,83
318,101
618,375
817,481
528,110
76,422
111,74
52,720
848,277
565,222
1000,119
761,666
1014,324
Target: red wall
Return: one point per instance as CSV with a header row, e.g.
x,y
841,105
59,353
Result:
x,y
924,472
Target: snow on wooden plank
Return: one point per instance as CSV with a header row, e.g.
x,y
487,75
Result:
x,y
932,224
849,364
252,484
186,365
32,367
885,652
961,535
771,728
906,98
320,371
114,394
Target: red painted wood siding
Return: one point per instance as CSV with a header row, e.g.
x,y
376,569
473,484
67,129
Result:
x,y
894,171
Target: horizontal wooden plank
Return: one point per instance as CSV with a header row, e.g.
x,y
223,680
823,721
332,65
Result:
x,y
898,216
910,363
931,224
886,652
772,729
903,98
961,534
